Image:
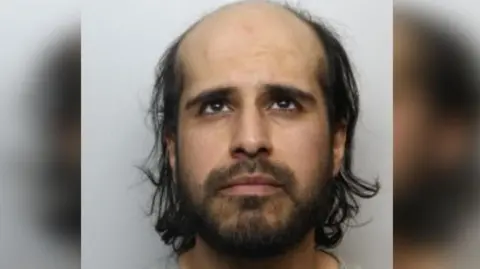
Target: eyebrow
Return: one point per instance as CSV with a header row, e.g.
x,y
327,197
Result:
x,y
224,92
210,95
288,90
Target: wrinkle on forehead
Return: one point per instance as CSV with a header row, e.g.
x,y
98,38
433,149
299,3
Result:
x,y
249,34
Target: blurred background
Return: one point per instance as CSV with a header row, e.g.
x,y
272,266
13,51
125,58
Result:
x,y
436,134
40,82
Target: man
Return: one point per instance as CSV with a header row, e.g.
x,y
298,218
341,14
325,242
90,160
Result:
x,y
254,110
436,118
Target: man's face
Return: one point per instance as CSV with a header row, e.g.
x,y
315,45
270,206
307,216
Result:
x,y
254,148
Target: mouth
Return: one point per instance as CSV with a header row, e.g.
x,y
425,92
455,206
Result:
x,y
252,185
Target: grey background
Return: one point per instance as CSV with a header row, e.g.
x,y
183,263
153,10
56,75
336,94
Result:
x,y
121,44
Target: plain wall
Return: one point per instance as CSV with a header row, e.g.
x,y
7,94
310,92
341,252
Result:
x,y
122,42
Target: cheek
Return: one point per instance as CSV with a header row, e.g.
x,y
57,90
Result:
x,y
200,151
304,148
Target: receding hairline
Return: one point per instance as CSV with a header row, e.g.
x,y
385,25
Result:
x,y
296,13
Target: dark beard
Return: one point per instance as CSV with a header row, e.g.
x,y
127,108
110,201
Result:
x,y
253,238
253,241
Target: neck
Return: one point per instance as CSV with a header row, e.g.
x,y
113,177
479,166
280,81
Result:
x,y
304,256
419,256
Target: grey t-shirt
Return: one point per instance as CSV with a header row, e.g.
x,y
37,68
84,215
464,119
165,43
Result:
x,y
341,266
341,263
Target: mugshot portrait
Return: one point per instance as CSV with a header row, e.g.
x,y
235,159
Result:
x,y
252,133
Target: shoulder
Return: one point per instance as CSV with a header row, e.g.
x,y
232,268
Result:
x,y
340,261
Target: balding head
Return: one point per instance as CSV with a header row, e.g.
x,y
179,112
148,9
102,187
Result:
x,y
255,88
249,43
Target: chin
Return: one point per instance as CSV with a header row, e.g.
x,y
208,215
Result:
x,y
234,211
252,235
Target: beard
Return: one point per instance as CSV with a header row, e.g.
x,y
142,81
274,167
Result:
x,y
250,226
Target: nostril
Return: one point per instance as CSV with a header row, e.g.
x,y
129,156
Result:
x,y
242,152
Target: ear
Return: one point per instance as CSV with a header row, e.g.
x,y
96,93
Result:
x,y
171,153
339,139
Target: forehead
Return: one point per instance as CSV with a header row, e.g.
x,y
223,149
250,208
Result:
x,y
247,44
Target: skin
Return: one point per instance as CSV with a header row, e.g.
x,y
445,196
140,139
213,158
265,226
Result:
x,y
246,47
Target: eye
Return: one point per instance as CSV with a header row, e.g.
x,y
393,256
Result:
x,y
284,104
214,107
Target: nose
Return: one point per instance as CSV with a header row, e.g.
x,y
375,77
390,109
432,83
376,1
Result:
x,y
251,136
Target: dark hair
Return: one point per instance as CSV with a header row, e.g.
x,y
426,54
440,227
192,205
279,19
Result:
x,y
341,95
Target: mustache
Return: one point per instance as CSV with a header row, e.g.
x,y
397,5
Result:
x,y
220,177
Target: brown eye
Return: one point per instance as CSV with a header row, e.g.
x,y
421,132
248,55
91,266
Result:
x,y
284,104
214,107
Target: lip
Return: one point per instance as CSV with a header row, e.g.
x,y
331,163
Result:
x,y
252,180
257,185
